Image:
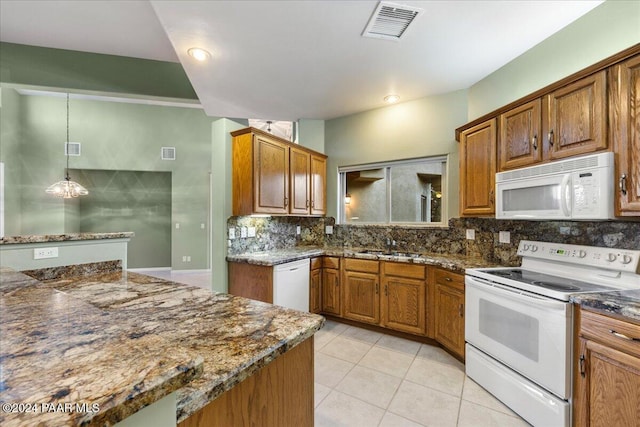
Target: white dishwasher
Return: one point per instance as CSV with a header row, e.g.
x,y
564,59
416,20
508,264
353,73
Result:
x,y
291,285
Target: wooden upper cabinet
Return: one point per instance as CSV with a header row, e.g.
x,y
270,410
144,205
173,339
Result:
x,y
478,169
300,183
575,118
318,185
624,117
270,176
520,132
274,176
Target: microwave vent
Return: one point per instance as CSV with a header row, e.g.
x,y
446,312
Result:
x,y
562,166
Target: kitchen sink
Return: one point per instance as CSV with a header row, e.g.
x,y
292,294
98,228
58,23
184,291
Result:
x,y
390,253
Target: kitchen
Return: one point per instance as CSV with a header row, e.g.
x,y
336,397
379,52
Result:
x,y
436,117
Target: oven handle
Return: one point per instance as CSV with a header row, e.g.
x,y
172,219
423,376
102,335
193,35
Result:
x,y
514,294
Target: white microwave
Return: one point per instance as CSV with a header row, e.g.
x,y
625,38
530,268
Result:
x,y
578,189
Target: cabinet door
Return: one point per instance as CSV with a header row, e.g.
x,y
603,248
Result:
x,y
361,297
624,116
576,118
520,131
318,185
612,381
315,290
300,182
404,305
271,176
478,169
449,318
331,291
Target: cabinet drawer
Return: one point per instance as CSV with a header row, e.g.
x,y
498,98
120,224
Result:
x,y
401,269
601,328
331,262
316,263
364,265
448,278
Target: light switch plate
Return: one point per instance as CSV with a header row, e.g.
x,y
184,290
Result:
x,y
504,237
232,233
251,232
298,230
243,232
328,229
471,234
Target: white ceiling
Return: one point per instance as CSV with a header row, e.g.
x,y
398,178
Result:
x,y
285,60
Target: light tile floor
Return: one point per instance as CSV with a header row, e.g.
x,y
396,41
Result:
x,y
365,378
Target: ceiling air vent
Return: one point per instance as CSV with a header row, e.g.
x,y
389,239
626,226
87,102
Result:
x,y
168,153
72,149
390,21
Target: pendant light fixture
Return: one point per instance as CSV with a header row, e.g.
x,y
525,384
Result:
x,y
67,189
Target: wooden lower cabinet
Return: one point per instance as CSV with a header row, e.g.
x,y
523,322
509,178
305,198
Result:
x,y
361,290
607,367
315,286
447,309
251,281
403,299
280,394
330,296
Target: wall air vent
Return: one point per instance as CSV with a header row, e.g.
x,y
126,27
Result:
x,y
390,21
72,149
168,153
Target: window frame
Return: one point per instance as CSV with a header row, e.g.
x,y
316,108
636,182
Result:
x,y
387,165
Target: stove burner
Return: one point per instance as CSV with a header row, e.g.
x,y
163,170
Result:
x,y
507,273
556,286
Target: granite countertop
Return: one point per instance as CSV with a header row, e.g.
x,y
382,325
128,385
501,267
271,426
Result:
x,y
453,262
56,349
235,336
46,238
622,304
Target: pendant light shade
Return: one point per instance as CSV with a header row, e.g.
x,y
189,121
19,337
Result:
x,y
67,189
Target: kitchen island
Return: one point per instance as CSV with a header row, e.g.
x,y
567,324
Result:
x,y
124,340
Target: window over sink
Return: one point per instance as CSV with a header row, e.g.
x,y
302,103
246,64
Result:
x,y
396,192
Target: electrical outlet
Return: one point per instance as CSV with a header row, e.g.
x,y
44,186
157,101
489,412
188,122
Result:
x,y
471,234
243,232
251,232
232,233
565,230
41,253
188,258
504,237
297,230
202,225
184,258
177,225
328,229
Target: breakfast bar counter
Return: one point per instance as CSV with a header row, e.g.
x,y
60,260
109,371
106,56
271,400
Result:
x,y
122,340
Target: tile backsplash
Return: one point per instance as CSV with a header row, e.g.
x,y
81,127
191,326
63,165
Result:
x,y
280,233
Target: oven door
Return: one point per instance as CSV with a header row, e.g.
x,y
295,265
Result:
x,y
529,333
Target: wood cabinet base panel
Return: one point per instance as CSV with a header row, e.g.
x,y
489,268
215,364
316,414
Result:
x,y
280,394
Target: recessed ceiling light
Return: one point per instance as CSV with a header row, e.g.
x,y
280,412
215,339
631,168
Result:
x,y
199,54
390,99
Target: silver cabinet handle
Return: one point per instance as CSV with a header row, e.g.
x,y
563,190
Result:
x,y
623,184
623,336
286,201
535,142
550,137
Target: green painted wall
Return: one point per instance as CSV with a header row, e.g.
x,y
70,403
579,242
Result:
x,y
311,134
118,136
10,130
420,128
31,65
609,28
128,200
